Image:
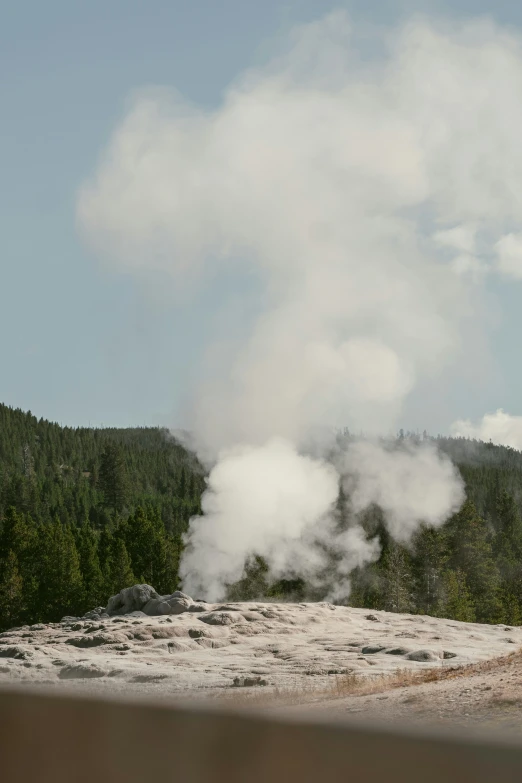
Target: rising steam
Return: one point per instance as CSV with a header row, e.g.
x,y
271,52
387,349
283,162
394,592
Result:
x,y
369,199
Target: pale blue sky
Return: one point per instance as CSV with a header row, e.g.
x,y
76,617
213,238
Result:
x,y
77,344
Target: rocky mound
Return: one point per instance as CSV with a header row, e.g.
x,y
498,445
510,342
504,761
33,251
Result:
x,y
172,644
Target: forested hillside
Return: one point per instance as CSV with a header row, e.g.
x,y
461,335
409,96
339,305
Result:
x,y
470,569
86,512
48,471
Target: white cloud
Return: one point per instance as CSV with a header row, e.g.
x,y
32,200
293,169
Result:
x,y
470,266
509,255
499,427
459,238
313,174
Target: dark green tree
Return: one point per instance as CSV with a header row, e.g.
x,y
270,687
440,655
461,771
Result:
x,y
397,579
427,560
113,480
455,600
118,571
93,592
469,542
60,584
11,592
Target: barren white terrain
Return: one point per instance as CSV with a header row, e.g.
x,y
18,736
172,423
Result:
x,y
187,647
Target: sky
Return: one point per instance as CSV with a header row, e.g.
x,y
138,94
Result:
x,y
85,343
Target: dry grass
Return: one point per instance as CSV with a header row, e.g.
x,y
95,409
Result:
x,y
354,684
506,701
349,685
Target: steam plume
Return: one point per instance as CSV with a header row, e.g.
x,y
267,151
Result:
x,y
369,199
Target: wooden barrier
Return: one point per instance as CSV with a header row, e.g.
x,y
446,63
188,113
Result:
x,y
50,737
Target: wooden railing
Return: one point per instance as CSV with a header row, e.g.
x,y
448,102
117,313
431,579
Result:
x,y
57,737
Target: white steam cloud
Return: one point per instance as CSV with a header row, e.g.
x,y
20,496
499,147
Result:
x,y
411,484
266,500
367,197
500,428
273,501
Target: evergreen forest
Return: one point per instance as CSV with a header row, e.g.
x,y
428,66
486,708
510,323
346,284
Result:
x,y
86,512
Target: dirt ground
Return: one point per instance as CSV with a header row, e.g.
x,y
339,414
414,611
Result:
x,y
482,696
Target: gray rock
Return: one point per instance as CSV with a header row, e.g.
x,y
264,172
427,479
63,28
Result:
x,y
154,607
221,618
80,671
371,649
397,651
149,677
94,640
167,605
17,652
447,654
178,604
131,599
212,644
423,655
248,682
199,633
143,599
94,614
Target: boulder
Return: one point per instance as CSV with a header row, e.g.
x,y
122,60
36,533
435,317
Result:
x,y
221,618
372,649
397,651
423,656
131,599
248,682
143,600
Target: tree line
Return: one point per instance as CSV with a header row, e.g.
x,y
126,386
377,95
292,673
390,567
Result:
x,y
52,569
85,513
49,471
469,569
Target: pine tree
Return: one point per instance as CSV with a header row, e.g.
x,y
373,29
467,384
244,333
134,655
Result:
x,y
507,547
19,535
140,540
342,509
113,480
456,601
60,584
182,489
254,583
469,541
428,558
11,592
92,578
118,568
397,579
508,539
